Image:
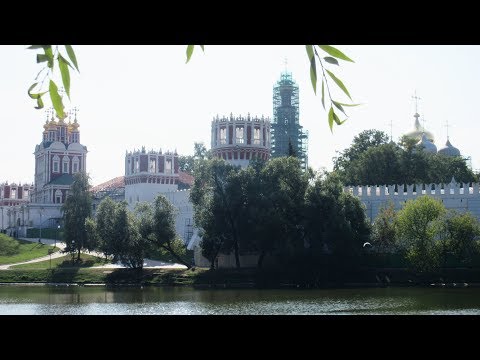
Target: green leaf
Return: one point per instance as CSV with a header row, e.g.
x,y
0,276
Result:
x,y
339,83
34,47
330,118
49,55
39,103
203,49
313,68
337,119
339,106
63,65
71,56
331,60
30,89
56,99
189,52
330,50
348,104
323,95
41,58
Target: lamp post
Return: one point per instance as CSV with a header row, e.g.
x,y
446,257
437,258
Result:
x,y
1,207
58,232
40,226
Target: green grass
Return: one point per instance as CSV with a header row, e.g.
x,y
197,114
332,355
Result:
x,y
64,262
27,251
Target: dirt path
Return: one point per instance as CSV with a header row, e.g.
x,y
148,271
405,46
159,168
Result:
x,y
147,262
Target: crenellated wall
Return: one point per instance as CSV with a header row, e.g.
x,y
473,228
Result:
x,y
457,196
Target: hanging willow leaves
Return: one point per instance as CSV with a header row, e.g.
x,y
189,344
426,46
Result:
x,y
56,99
337,119
331,60
339,83
330,118
323,95
39,103
339,106
71,56
63,65
313,69
330,50
189,52
49,54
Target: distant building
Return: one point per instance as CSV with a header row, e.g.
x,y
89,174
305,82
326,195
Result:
x,y
240,139
57,158
288,136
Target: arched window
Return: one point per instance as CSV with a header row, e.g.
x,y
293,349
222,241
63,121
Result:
x,y
56,164
75,165
65,165
58,197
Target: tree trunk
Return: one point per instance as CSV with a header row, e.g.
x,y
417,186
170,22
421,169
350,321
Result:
x,y
260,259
237,257
180,260
78,256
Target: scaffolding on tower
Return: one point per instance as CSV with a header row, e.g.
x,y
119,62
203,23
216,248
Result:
x,y
287,135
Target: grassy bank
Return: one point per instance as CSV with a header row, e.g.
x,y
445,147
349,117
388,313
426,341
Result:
x,y
63,262
27,251
232,278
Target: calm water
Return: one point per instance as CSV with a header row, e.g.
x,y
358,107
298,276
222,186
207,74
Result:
x,y
75,300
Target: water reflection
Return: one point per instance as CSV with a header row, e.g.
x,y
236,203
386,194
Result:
x,y
76,300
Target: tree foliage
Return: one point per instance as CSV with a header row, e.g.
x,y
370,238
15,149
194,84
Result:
x,y
384,231
76,209
462,230
335,220
372,160
418,228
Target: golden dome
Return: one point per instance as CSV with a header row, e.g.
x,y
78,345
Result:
x,y
75,125
419,131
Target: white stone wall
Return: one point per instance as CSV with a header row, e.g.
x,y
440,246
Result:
x,y
460,197
145,192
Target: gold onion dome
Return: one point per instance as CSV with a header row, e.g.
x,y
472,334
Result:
x,y
75,125
419,131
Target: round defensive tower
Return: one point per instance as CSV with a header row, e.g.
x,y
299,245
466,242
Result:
x,y
149,173
241,139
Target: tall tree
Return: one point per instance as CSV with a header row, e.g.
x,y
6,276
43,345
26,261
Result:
x,y
384,232
418,227
76,209
105,227
163,230
213,191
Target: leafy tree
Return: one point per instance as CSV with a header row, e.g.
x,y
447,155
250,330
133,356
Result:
x,y
130,248
8,245
370,160
212,192
462,231
105,227
76,209
335,220
417,226
187,163
361,143
384,232
163,234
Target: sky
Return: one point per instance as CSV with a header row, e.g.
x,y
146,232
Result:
x,y
134,96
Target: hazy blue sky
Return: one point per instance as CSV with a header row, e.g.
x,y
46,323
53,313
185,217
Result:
x,y
133,96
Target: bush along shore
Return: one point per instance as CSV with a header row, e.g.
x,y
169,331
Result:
x,y
243,278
